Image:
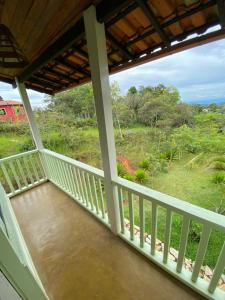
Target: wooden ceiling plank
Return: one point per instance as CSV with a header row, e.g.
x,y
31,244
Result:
x,y
63,43
153,20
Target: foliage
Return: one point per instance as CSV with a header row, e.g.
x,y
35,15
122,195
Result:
x,y
121,170
141,176
219,177
144,164
129,177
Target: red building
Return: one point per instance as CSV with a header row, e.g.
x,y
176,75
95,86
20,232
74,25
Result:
x,y
11,111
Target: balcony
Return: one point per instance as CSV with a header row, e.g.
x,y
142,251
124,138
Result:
x,y
62,211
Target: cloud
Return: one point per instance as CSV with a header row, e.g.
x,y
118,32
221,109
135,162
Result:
x,y
198,73
8,93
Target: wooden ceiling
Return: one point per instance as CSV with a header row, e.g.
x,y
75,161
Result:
x,y
50,34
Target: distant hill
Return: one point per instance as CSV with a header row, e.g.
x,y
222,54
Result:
x,y
207,101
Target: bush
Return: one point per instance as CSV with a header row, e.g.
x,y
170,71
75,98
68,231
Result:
x,y
219,177
129,177
141,176
144,164
219,165
121,170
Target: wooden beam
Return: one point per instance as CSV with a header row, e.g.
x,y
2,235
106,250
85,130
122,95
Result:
x,y
106,9
72,66
172,21
59,74
221,11
155,23
60,45
118,45
191,43
121,14
42,82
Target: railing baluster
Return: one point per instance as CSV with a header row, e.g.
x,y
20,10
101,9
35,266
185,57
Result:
x,y
59,173
68,177
90,191
95,195
154,227
167,235
54,173
201,252
142,221
72,181
84,187
81,185
218,271
15,174
34,168
64,174
131,214
183,242
120,196
79,194
28,170
8,179
102,206
41,162
22,172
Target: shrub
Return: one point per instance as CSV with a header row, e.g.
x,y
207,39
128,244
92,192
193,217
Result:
x,y
219,177
129,177
121,170
144,164
169,154
141,176
219,165
195,231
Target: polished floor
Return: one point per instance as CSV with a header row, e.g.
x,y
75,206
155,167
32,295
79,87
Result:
x,y
79,258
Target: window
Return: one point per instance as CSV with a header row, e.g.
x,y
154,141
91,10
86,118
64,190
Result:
x,y
2,112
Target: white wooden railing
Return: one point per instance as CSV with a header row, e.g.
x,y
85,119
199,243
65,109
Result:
x,y
21,172
82,182
19,263
85,184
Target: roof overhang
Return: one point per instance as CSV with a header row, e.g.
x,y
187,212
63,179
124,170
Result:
x,y
137,32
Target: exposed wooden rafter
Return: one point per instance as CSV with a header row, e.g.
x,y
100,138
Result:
x,y
221,11
118,45
72,66
155,23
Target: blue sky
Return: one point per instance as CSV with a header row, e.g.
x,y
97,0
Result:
x,y
198,73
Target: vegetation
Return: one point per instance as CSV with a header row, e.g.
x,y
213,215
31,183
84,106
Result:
x,y
168,145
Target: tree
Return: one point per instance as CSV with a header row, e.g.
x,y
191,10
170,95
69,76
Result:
x,y
78,102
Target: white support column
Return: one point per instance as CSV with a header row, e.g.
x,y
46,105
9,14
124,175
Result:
x,y
96,42
33,126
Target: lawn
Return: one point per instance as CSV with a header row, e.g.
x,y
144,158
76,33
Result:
x,y
193,184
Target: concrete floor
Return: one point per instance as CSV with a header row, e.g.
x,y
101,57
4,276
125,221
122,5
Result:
x,y
79,258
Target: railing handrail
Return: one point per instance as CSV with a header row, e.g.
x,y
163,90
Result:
x,y
78,164
203,215
18,155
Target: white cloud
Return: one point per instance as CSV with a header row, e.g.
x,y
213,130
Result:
x,y
198,73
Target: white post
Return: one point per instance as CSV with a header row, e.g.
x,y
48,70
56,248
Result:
x,y
33,126
96,42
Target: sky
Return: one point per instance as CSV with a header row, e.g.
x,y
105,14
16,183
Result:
x,y
198,73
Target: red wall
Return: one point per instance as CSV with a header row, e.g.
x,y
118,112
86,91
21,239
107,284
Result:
x,y
11,114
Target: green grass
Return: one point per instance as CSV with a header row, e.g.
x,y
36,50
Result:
x,y
193,185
